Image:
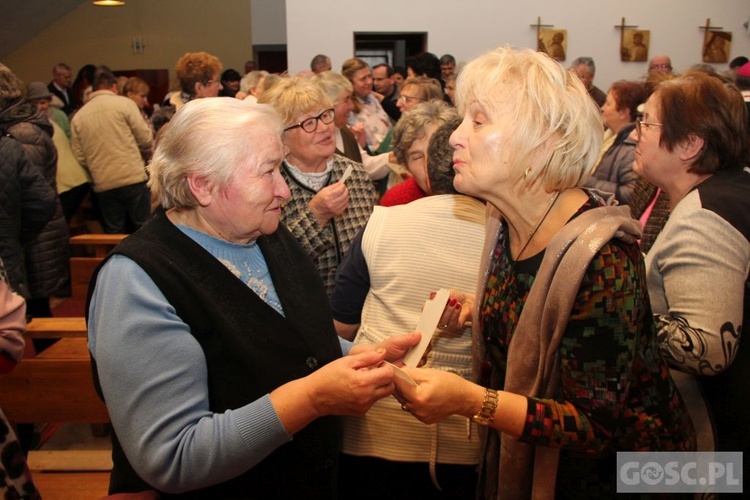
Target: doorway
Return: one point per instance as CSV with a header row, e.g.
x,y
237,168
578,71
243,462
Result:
x,y
391,48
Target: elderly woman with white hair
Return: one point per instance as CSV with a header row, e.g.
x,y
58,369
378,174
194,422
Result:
x,y
566,356
218,360
325,211
251,86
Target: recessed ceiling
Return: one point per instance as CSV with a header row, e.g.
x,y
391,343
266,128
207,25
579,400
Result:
x,y
22,20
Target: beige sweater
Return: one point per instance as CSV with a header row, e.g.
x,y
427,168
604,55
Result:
x,y
108,135
412,250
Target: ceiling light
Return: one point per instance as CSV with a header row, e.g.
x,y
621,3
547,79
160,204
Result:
x,y
108,3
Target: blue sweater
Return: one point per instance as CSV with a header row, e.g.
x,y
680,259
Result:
x,y
149,362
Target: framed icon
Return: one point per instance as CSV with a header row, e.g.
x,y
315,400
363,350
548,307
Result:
x,y
716,45
634,45
553,42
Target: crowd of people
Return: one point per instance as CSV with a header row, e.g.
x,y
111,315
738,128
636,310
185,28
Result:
x,y
286,230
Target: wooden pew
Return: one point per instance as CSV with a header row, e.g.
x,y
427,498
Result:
x,y
54,386
55,328
101,243
81,268
57,386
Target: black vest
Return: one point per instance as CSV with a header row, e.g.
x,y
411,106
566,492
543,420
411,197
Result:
x,y
250,350
726,194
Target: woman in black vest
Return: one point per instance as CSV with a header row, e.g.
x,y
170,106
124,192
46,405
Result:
x,y
210,330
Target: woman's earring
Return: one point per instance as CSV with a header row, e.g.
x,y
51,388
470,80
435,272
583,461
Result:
x,y
526,174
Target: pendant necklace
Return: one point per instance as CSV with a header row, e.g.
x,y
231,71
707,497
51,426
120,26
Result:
x,y
536,228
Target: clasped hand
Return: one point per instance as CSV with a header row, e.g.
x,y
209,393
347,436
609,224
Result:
x,y
437,395
352,384
331,201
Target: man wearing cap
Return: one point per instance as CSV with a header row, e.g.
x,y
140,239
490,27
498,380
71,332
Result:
x,y
73,181
62,78
39,94
109,135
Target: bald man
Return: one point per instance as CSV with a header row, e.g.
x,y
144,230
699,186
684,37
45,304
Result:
x,y
661,64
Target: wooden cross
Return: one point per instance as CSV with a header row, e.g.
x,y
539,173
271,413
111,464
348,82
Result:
x,y
539,27
622,27
708,39
708,26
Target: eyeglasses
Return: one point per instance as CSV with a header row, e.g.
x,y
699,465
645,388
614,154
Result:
x,y
407,98
210,82
311,124
640,123
660,66
343,101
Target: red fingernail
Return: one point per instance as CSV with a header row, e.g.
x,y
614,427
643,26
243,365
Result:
x,y
451,302
458,305
432,295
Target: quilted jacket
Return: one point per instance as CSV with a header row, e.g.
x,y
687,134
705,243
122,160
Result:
x,y
26,200
46,251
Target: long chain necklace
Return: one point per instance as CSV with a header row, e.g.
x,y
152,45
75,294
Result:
x,y
536,228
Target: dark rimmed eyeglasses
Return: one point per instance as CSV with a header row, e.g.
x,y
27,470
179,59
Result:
x,y
310,125
640,123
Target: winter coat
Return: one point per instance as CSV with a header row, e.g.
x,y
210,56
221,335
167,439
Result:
x,y
46,251
26,201
615,171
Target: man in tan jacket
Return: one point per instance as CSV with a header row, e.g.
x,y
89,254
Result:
x,y
110,138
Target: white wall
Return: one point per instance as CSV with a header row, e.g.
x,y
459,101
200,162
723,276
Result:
x,y
466,28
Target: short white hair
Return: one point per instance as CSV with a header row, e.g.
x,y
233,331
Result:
x,y
251,80
209,138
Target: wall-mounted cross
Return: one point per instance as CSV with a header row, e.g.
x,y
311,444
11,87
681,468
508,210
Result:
x,y
539,27
622,27
708,26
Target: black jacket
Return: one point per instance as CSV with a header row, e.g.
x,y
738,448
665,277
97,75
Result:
x,y
27,203
47,250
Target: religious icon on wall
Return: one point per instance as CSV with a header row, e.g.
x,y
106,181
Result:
x,y
553,42
634,45
716,45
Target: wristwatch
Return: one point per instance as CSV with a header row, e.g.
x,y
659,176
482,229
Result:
x,y
486,414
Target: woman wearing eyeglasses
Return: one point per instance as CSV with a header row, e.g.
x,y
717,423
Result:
x,y
415,90
199,75
323,213
411,137
692,143
418,89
